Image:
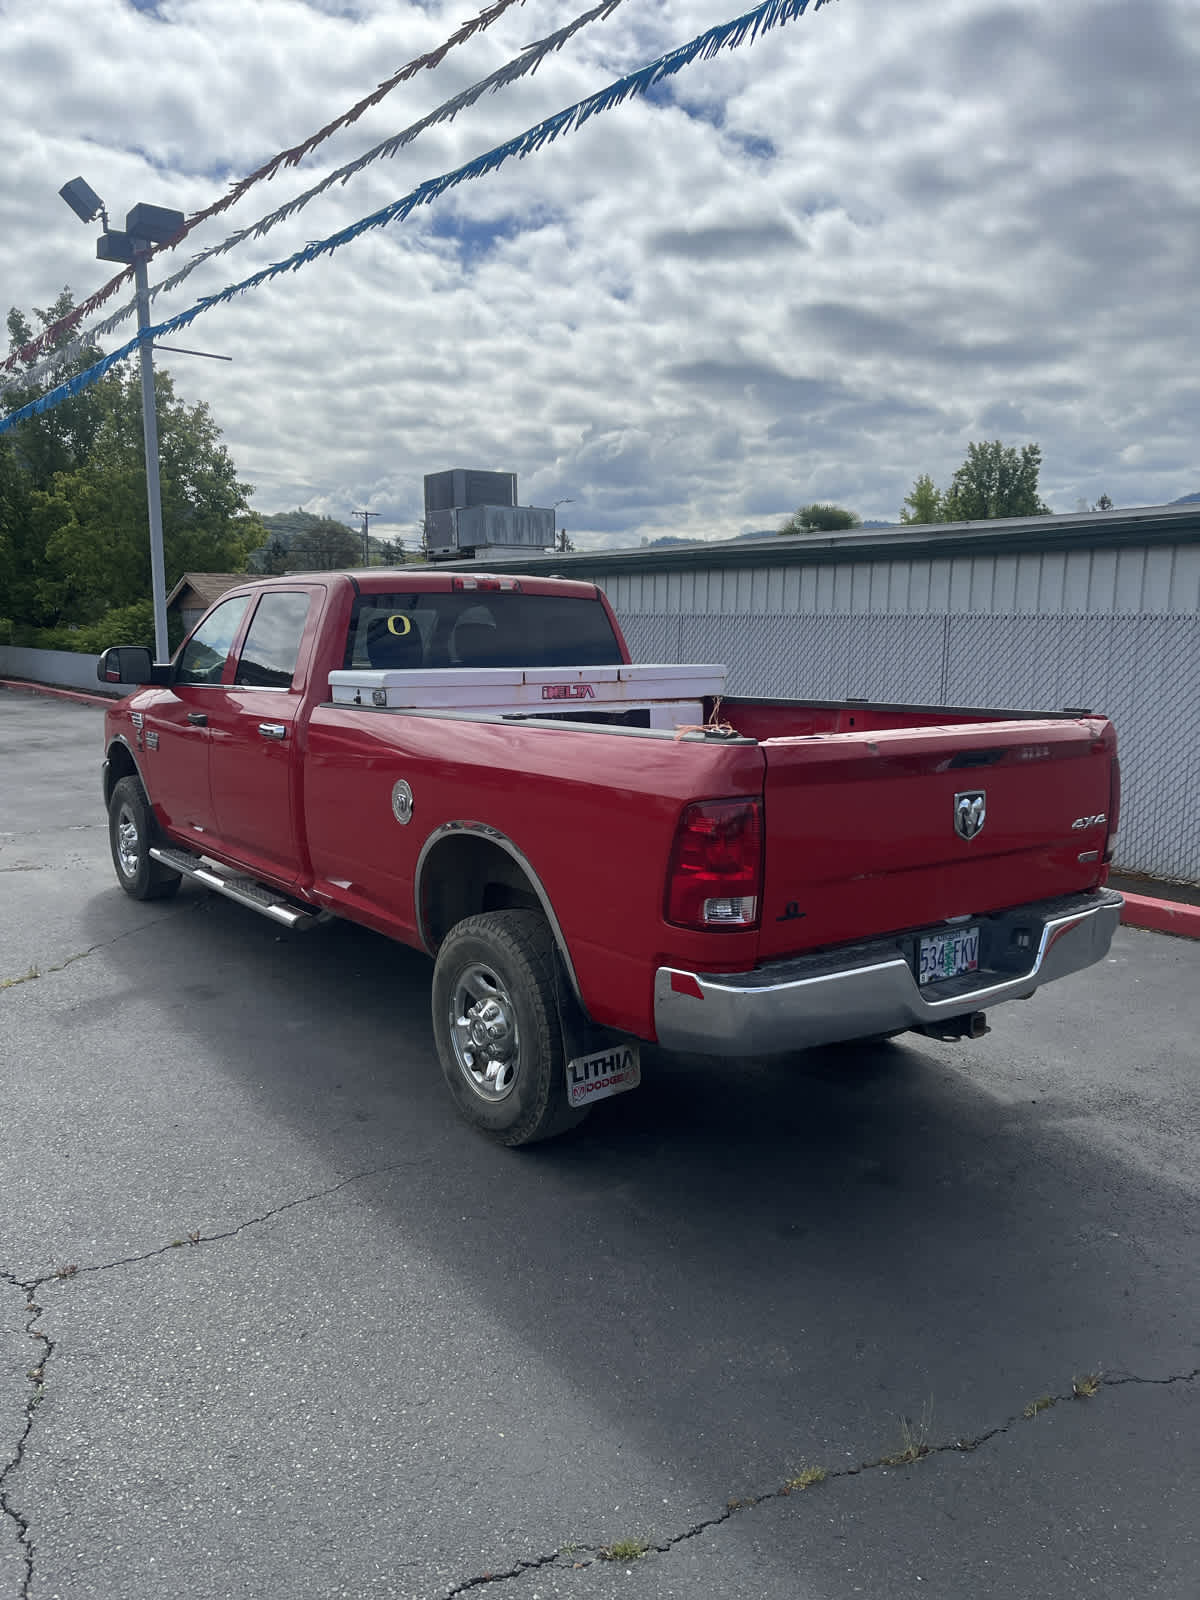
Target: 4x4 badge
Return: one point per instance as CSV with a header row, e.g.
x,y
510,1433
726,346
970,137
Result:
x,y
970,812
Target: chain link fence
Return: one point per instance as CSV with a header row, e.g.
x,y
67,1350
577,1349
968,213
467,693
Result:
x,y
1141,671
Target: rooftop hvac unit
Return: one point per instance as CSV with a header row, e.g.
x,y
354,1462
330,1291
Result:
x,y
468,512
460,487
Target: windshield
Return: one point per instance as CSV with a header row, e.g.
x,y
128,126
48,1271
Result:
x,y
473,630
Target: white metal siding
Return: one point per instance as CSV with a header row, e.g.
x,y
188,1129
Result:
x,y
1115,630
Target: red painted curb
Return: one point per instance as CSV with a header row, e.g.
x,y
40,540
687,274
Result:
x,y
61,694
1162,916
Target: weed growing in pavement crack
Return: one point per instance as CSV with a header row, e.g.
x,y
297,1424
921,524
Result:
x,y
11,983
624,1550
805,1479
1087,1386
914,1438
1042,1403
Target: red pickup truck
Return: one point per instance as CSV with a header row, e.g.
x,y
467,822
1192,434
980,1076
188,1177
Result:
x,y
596,853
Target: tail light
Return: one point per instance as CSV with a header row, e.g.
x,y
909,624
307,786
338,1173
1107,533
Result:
x,y
1114,809
715,876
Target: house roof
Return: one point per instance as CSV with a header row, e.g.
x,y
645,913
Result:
x,y
206,587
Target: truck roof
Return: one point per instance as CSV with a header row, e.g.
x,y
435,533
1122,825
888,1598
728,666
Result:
x,y
390,580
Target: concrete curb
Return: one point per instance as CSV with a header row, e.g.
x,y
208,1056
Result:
x,y
1161,916
60,694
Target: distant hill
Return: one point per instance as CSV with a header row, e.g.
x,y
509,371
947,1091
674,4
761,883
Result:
x,y
1186,499
288,525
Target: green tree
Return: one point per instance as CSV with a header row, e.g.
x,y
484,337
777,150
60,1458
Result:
x,y
73,512
995,480
821,517
324,545
274,557
92,522
30,455
390,552
924,503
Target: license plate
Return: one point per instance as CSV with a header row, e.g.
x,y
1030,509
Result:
x,y
947,955
602,1073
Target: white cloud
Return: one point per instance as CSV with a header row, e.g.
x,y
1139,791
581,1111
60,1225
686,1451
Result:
x,y
814,267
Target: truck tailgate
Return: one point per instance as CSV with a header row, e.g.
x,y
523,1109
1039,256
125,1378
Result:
x,y
877,832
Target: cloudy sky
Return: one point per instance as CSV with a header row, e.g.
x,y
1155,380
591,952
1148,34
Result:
x,y
811,268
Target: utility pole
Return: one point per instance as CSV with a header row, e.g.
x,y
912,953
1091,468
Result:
x,y
366,516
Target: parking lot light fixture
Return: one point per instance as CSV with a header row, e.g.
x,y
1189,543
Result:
x,y
145,226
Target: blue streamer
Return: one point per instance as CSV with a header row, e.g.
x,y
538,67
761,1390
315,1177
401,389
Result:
x,y
725,36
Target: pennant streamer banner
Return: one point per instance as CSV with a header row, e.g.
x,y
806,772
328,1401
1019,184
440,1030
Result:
x,y
726,36
520,66
285,158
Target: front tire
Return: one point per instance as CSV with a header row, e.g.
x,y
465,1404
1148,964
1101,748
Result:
x,y
130,835
497,1028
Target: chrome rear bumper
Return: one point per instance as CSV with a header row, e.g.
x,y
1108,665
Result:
x,y
856,991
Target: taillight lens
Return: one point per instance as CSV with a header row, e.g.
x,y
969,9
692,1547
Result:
x,y
715,876
1114,809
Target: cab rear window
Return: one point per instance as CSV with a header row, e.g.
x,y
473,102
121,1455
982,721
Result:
x,y
479,630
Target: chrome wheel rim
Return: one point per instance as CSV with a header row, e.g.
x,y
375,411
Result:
x,y
483,1032
128,842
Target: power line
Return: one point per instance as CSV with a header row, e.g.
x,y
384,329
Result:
x,y
527,61
285,158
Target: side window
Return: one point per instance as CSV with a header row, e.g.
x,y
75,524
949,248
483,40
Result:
x,y
272,647
203,657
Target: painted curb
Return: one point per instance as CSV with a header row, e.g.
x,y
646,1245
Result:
x,y
1161,916
79,695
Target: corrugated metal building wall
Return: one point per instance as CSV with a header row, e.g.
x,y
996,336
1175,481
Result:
x,y
1100,611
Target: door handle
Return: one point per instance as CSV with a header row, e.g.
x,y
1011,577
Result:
x,y
198,719
273,730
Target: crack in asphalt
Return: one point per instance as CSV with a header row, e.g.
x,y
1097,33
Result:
x,y
34,1310
36,1375
579,1557
916,1446
80,955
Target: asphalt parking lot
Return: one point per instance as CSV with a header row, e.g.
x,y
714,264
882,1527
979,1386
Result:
x,y
909,1320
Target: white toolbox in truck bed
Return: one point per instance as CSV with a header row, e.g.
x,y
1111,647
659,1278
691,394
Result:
x,y
669,692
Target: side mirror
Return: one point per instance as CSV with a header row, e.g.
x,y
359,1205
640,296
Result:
x,y
126,663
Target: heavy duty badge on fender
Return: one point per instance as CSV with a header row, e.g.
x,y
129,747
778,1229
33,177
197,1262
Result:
x,y
970,812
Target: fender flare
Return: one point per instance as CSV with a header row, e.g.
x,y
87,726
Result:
x,y
129,751
484,830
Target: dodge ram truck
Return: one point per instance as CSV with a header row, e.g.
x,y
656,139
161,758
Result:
x,y
596,853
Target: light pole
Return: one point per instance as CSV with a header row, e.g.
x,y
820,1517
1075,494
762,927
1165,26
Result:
x,y
145,226
555,507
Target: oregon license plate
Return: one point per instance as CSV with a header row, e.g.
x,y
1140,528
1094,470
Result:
x,y
602,1073
948,955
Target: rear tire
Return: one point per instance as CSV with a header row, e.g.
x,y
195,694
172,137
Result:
x,y
131,832
497,1027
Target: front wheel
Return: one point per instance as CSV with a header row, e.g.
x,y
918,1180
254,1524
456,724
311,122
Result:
x,y
497,1027
130,834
